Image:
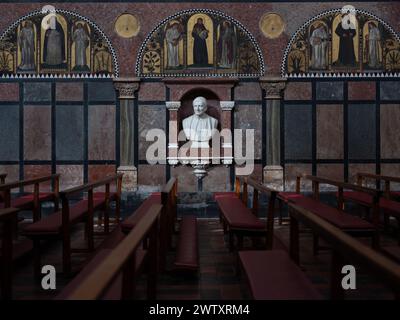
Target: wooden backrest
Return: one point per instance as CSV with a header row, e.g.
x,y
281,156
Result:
x,y
272,194
346,248
363,176
3,178
7,219
341,186
242,183
89,188
122,259
7,187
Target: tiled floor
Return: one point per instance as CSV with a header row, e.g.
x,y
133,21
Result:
x,y
217,278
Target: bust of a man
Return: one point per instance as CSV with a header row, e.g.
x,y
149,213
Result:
x,y
199,127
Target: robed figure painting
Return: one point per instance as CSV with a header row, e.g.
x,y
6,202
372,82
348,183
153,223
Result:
x,y
54,46
200,34
347,56
226,46
26,42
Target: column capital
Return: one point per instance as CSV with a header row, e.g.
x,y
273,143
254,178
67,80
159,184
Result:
x,y
173,105
273,87
126,87
227,105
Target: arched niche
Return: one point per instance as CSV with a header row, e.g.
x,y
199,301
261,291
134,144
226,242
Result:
x,y
321,47
168,50
25,40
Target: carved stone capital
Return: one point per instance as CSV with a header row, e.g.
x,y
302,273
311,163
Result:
x,y
227,105
273,87
126,87
173,105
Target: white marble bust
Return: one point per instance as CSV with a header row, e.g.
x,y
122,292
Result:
x,y
199,127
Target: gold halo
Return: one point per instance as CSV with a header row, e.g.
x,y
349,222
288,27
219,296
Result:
x,y
271,25
127,25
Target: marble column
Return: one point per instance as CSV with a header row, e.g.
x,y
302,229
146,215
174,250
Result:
x,y
173,107
226,116
127,88
273,171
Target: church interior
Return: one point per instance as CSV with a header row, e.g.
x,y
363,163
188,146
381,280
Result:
x,y
203,150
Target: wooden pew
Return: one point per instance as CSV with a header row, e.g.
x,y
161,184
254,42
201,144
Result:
x,y
239,220
121,261
31,201
167,197
2,181
389,204
58,225
346,250
274,274
7,218
337,216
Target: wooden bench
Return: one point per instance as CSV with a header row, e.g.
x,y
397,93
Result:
x,y
114,276
31,201
58,225
238,220
187,253
7,218
388,203
2,181
337,216
345,250
274,274
167,197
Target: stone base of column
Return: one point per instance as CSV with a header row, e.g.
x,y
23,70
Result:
x,y
130,179
273,177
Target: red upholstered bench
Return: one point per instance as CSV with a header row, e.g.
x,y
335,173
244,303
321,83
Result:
x,y
58,225
239,220
31,201
350,224
187,257
272,275
52,224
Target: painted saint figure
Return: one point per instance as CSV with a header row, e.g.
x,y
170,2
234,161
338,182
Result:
x,y
26,41
373,39
173,35
318,42
54,45
200,34
347,56
199,127
81,39
226,46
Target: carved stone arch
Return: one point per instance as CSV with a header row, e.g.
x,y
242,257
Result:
x,y
297,55
101,48
248,60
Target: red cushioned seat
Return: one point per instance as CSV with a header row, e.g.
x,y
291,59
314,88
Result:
x,y
286,196
338,218
238,215
114,291
27,200
224,194
187,252
52,224
359,197
273,276
129,223
390,207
